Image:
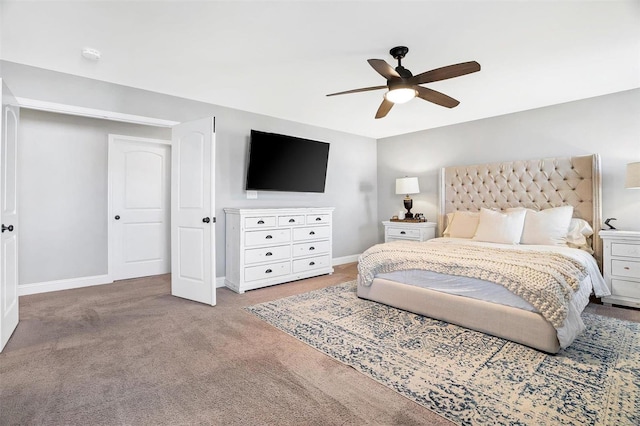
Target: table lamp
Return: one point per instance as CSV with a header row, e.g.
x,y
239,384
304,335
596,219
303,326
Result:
x,y
407,185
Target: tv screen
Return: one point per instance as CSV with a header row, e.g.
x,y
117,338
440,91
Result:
x,y
286,163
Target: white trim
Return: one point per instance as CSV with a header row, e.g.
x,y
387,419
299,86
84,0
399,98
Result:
x,y
345,259
93,113
47,286
220,282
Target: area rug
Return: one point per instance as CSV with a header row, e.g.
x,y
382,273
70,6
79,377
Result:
x,y
466,376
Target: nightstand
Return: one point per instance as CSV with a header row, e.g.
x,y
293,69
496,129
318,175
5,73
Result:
x,y
410,231
621,267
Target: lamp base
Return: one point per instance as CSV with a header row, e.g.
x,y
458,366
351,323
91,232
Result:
x,y
408,204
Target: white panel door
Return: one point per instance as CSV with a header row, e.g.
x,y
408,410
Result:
x,y
8,216
139,207
192,211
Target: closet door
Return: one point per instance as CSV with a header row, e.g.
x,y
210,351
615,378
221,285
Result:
x,y
139,207
8,217
192,211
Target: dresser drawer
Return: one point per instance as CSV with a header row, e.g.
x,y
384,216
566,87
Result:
x,y
403,233
311,233
267,271
302,265
318,218
290,220
625,268
626,250
266,254
259,222
308,249
625,288
275,236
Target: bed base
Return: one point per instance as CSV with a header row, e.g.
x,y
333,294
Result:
x,y
517,325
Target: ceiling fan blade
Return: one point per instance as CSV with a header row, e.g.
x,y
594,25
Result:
x,y
436,97
364,89
384,108
445,72
383,68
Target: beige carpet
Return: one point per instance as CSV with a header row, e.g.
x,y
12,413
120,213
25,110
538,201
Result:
x,y
131,354
466,376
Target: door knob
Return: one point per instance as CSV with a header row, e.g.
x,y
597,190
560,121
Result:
x,y
117,217
206,220
7,228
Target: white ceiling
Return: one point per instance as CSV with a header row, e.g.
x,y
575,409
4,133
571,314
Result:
x,y
280,58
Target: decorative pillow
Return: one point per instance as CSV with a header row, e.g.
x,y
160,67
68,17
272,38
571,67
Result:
x,y
548,226
579,231
497,227
461,224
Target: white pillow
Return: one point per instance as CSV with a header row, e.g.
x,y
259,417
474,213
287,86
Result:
x,y
497,227
579,231
548,226
462,224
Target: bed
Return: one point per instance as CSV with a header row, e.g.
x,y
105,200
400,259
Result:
x,y
518,190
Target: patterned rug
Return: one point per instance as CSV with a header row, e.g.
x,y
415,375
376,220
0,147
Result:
x,y
466,376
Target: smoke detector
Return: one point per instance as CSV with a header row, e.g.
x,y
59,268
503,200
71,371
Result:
x,y
92,54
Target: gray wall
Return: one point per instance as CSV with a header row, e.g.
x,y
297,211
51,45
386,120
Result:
x,y
606,125
62,190
351,176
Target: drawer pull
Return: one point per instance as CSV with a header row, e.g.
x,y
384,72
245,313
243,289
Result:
x,y
268,253
268,237
311,248
268,271
312,233
291,220
402,232
261,222
312,263
626,268
318,219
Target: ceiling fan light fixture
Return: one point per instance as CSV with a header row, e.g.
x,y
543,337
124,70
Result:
x,y
400,95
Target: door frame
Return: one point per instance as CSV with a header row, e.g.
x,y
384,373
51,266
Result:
x,y
110,246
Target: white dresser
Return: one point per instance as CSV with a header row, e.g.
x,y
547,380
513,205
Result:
x,y
273,246
621,267
412,231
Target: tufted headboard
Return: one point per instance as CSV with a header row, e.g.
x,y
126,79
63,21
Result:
x,y
534,184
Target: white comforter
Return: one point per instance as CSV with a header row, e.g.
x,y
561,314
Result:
x,y
484,290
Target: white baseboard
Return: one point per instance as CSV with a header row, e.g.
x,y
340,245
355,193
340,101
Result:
x,y
47,286
345,259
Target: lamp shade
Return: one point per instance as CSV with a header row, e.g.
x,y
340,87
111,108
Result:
x,y
633,176
407,185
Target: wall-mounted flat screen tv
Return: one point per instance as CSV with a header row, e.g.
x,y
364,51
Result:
x,y
286,163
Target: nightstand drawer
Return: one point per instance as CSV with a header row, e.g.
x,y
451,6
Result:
x,y
625,288
625,268
625,250
403,233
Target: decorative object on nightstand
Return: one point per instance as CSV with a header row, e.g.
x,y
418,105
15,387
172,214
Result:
x,y
621,267
407,185
609,219
395,230
633,176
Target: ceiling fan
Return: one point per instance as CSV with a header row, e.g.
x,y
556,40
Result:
x,y
404,86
